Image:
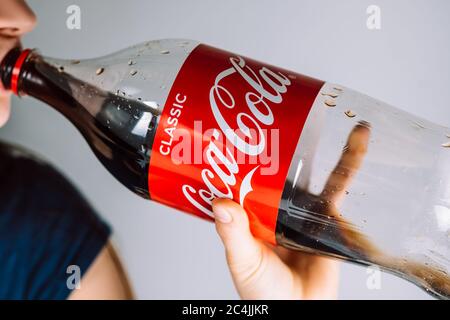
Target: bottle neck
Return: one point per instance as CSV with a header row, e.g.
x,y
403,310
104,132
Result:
x,y
92,110
27,73
19,74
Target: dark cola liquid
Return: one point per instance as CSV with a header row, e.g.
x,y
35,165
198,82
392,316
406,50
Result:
x,y
119,129
328,233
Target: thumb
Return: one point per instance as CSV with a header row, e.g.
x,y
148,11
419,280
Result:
x,y
244,252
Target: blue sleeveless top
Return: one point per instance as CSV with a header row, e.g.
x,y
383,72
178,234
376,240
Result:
x,y
46,226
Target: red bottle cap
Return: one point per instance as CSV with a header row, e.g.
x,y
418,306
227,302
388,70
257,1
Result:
x,y
16,70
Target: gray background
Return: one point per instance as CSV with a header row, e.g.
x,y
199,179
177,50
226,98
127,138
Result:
x,y
172,255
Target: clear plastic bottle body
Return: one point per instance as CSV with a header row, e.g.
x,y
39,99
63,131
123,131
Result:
x,y
145,71
115,101
395,212
126,95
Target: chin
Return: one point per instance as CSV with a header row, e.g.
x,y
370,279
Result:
x,y
5,109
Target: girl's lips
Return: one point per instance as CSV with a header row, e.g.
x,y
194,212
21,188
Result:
x,y
5,46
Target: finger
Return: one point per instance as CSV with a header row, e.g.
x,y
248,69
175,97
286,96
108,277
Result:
x,y
244,252
349,163
319,274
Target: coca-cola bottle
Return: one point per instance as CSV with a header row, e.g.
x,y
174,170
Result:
x,y
318,167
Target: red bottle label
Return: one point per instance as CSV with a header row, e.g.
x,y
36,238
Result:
x,y
229,129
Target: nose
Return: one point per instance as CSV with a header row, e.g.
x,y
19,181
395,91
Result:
x,y
16,19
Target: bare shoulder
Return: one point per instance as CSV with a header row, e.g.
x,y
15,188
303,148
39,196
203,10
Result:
x,y
105,278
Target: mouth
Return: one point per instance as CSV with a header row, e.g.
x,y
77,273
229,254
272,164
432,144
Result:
x,y
7,44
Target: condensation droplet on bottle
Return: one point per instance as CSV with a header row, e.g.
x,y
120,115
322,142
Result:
x,y
75,62
131,62
364,123
151,126
448,135
338,88
330,94
350,114
133,72
417,124
442,271
446,145
164,52
99,71
136,117
330,103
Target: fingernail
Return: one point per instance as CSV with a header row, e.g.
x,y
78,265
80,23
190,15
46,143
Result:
x,y
222,215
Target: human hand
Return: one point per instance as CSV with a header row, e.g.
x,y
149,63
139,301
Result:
x,y
261,271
